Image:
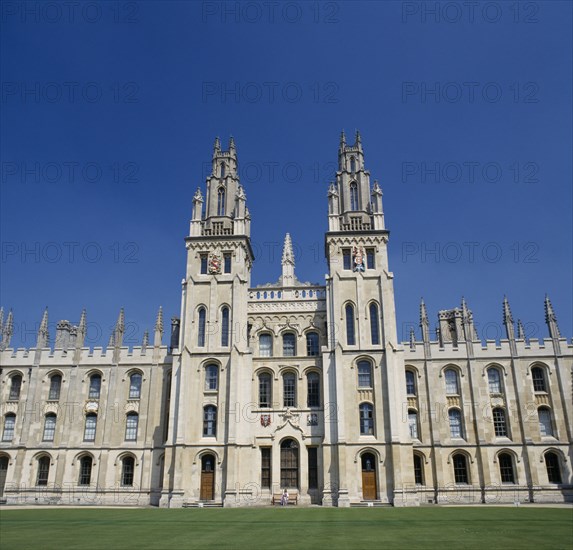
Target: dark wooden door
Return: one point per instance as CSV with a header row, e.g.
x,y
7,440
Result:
x,y
369,477
369,485
3,473
207,478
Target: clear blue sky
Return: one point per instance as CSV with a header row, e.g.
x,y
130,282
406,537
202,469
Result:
x,y
109,115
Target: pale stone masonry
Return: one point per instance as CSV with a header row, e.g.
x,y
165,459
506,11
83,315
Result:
x,y
288,385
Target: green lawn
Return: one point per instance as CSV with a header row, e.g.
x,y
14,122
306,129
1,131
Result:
x,y
330,528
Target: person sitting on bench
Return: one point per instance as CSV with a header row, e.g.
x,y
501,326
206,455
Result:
x,y
284,498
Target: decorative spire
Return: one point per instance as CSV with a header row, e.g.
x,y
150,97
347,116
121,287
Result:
x,y
520,330
507,317
551,319
412,338
1,319
508,320
424,322
7,331
119,329
288,255
342,139
43,335
145,341
232,147
465,311
423,314
357,139
158,335
111,343
288,277
216,147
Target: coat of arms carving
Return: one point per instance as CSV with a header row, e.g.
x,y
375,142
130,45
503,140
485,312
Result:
x,y
214,264
265,420
358,258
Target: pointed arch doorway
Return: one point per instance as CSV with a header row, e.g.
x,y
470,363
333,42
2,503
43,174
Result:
x,y
207,477
369,481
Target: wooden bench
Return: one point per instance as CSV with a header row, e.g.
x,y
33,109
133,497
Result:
x,y
292,498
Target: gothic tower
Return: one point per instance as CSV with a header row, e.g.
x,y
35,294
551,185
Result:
x,y
364,371
206,379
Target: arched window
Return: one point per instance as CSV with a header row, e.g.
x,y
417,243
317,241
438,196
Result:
x,y
499,422
289,389
135,386
553,468
452,382
374,325
15,387
460,469
353,196
221,201
265,390
352,165
418,469
413,423
55,387
494,380
350,337
538,377
313,389
127,471
131,422
410,383
545,423
202,314
85,476
210,421
90,427
266,345
211,377
506,468
455,417
312,342
9,425
364,374
366,419
289,464
225,327
49,427
43,471
289,344
222,169
95,386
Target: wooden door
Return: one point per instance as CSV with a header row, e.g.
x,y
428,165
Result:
x,y
369,491
207,478
3,473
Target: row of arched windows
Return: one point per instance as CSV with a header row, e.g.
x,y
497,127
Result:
x,y
202,326
499,420
506,463
90,427
494,378
289,344
289,390
94,390
86,464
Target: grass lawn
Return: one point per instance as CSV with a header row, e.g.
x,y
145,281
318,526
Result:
x,y
271,528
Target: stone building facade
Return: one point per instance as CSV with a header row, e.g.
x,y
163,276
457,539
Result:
x,y
288,385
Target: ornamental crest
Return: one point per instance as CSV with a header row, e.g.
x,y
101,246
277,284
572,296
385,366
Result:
x,y
214,264
358,258
265,420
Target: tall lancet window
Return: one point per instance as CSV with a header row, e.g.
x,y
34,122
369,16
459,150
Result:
x,y
222,170
352,165
221,201
353,196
